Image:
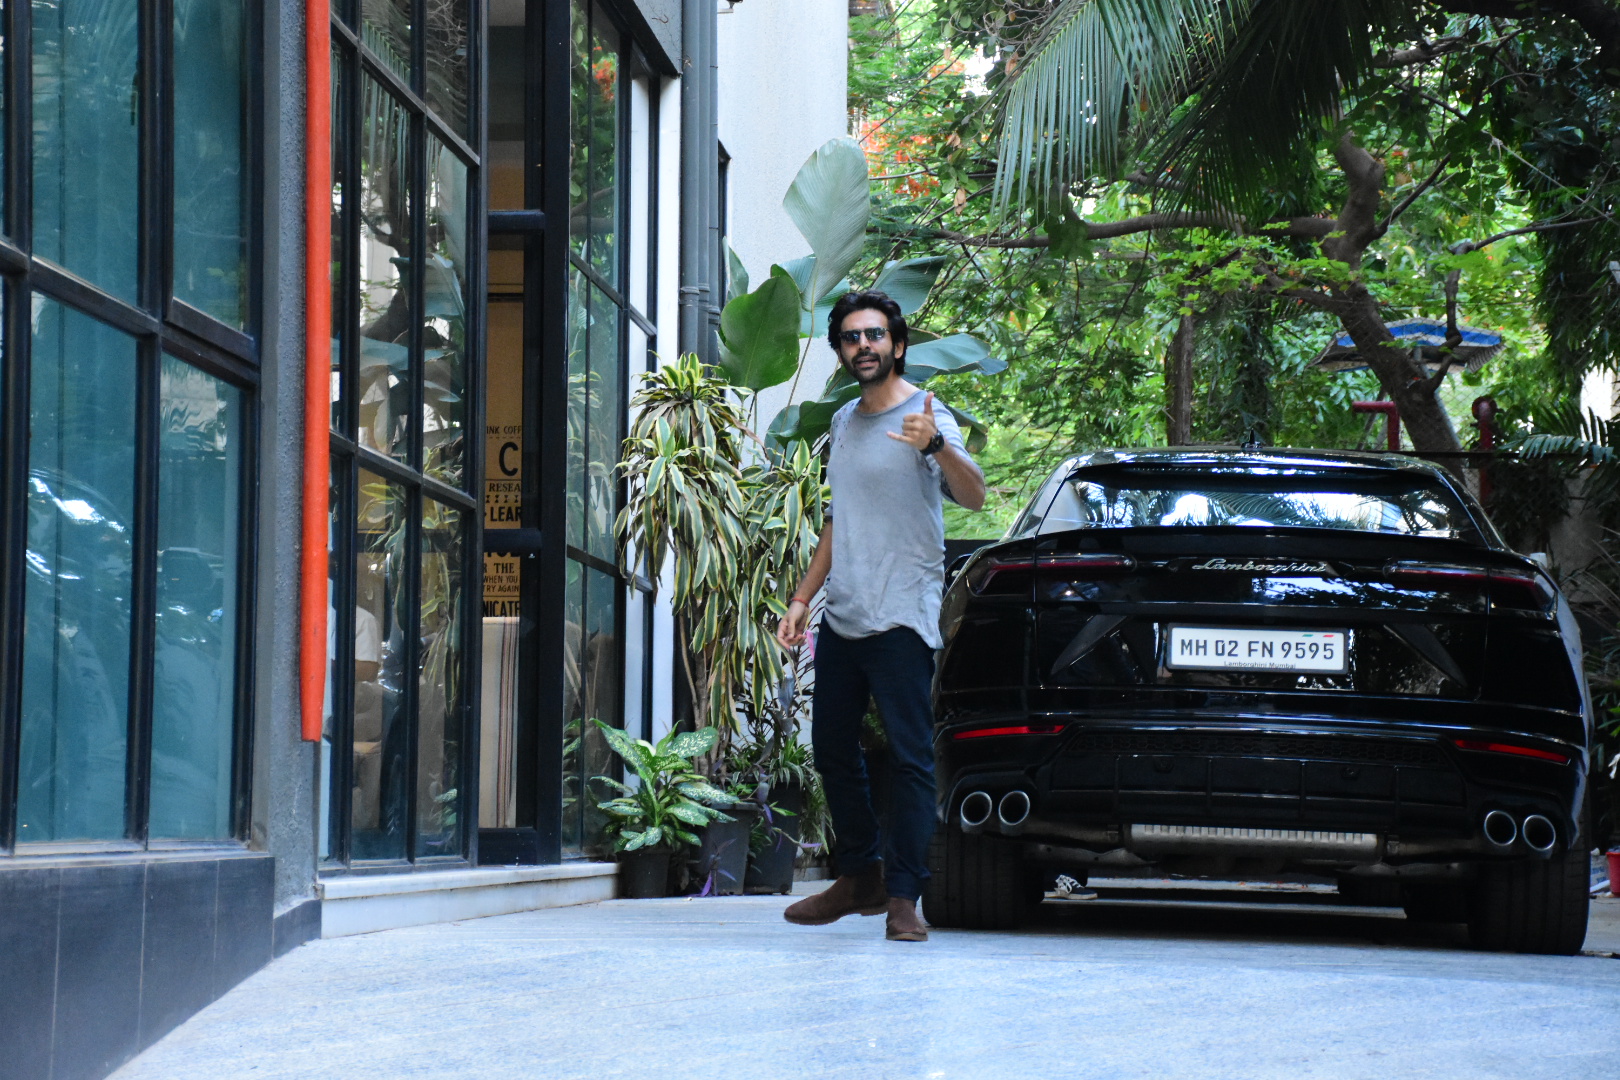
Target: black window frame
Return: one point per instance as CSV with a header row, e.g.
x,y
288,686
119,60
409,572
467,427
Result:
x,y
158,325
353,58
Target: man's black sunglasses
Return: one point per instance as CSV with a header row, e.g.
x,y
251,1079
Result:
x,y
874,334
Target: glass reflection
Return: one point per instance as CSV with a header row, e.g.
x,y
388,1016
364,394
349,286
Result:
x,y
340,233
1135,498
86,139
439,682
444,318
385,258
194,667
81,507
446,41
594,177
379,796
592,684
579,383
385,28
605,412
210,101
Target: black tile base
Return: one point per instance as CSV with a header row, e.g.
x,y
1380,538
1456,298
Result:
x,y
102,960
296,925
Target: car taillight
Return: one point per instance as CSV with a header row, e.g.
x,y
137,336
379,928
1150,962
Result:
x,y
1509,589
1001,577
1421,575
1510,748
1521,592
1010,729
1085,565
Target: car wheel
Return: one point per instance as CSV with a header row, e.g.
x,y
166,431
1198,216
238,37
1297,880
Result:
x,y
1435,901
1532,907
975,882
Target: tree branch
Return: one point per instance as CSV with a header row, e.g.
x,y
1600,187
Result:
x,y
1358,221
1419,190
1421,53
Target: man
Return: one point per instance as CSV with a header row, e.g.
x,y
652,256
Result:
x,y
895,454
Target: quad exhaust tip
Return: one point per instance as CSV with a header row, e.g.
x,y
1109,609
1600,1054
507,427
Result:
x,y
975,811
1540,834
1013,812
1500,829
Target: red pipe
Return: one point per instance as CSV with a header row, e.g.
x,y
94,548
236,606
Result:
x,y
312,599
1392,414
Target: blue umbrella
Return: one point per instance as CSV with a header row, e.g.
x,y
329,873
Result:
x,y
1477,346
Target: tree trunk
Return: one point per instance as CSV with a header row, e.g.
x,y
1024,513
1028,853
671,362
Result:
x,y
1178,385
1401,377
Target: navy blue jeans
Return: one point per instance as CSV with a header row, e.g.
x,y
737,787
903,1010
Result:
x,y
895,668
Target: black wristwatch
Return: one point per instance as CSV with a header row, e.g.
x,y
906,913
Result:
x,y
935,445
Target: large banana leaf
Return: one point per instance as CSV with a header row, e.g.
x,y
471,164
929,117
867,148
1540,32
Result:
x,y
952,355
736,276
759,334
829,202
908,281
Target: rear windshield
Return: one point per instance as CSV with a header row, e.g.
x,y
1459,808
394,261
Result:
x,y
1354,500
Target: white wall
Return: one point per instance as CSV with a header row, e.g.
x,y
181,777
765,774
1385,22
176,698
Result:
x,y
783,70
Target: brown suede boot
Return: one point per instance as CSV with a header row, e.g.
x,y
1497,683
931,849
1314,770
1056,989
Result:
x,y
862,893
903,923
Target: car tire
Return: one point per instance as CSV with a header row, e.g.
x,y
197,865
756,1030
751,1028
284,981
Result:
x,y
1532,907
1435,901
975,882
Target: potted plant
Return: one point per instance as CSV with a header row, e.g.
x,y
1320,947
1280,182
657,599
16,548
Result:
x,y
655,818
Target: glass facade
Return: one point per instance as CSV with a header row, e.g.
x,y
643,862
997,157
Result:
x,y
405,185
128,492
567,298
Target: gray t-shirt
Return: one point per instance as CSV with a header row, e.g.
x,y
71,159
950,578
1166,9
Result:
x,y
888,552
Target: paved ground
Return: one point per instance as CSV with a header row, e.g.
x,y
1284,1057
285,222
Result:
x,y
1134,984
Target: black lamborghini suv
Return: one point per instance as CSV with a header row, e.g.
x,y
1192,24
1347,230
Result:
x,y
1224,661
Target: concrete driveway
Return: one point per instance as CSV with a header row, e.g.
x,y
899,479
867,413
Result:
x,y
1138,983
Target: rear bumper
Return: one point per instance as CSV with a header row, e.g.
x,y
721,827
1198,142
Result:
x,y
1410,788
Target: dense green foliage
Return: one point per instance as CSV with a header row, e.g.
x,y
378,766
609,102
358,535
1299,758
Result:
x,y
1472,145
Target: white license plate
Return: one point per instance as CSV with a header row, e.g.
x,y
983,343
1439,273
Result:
x,y
1207,648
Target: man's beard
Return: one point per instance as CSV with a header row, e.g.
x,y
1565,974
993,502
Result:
x,y
885,364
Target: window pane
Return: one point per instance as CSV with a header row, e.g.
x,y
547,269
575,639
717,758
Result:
x,y
592,684
331,826
340,233
439,682
85,139
385,27
444,334
4,112
504,111
594,188
579,367
385,253
194,669
380,778
210,103
81,468
605,405
446,41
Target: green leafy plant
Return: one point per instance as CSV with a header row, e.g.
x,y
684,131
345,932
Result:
x,y
766,334
739,532
671,798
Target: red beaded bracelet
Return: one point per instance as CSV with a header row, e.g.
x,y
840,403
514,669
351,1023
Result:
x,y
799,599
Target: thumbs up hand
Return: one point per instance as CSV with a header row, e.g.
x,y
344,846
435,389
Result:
x,y
919,429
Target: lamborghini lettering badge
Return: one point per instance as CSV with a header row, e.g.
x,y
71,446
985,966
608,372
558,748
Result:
x,y
1252,566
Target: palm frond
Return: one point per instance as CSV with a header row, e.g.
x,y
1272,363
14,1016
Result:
x,y
1094,64
1258,114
